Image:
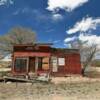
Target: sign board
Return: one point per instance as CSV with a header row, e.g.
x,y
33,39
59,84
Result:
x,y
61,61
54,64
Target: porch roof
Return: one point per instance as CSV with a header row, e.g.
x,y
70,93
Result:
x,y
33,44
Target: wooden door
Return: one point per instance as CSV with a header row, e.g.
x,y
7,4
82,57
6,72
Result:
x,y
32,64
39,63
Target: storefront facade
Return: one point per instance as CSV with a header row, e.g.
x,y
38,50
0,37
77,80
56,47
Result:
x,y
43,58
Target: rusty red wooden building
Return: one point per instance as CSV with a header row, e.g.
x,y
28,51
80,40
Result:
x,y
43,58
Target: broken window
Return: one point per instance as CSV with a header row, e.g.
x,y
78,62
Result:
x,y
21,64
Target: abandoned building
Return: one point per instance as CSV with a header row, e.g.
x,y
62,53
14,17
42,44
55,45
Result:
x,y
43,58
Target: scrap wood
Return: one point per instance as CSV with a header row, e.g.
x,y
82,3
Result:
x,y
17,79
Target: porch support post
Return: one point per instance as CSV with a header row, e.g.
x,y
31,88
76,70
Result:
x,y
36,64
27,65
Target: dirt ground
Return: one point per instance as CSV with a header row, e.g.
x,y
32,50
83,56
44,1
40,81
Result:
x,y
59,89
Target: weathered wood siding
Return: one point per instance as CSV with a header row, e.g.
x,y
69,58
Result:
x,y
72,64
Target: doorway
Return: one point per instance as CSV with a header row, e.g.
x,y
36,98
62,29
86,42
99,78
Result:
x,y
32,64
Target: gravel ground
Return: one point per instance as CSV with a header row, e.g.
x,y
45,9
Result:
x,y
87,90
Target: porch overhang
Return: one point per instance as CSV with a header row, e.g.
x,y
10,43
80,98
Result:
x,y
32,54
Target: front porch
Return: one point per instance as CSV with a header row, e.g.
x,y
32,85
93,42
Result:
x,y
29,65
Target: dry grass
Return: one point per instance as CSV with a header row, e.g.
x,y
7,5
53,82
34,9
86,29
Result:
x,y
60,88
89,90
5,64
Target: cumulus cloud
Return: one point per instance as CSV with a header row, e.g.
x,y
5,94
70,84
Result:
x,y
90,39
67,5
5,2
85,25
69,39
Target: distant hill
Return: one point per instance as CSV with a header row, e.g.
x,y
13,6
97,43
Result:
x,y
6,58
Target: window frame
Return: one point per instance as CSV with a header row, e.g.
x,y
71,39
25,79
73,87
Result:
x,y
26,66
61,61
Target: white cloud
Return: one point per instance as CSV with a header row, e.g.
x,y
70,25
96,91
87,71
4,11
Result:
x,y
88,38
57,17
91,39
56,41
69,39
85,25
2,2
67,5
11,1
5,2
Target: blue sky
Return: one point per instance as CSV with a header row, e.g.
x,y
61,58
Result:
x,y
56,21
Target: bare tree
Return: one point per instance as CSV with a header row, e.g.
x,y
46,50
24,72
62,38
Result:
x,y
87,52
17,35
90,52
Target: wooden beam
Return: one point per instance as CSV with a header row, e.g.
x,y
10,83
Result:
x,y
5,78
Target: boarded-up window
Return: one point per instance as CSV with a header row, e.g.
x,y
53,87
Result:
x,y
61,61
45,63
